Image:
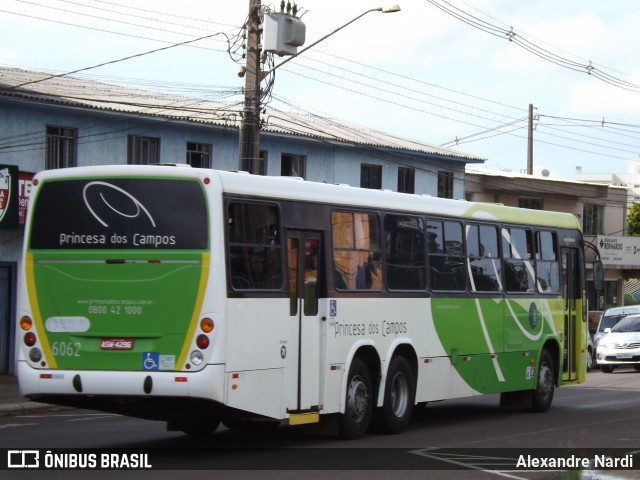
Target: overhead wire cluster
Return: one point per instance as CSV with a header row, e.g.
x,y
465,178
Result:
x,y
542,52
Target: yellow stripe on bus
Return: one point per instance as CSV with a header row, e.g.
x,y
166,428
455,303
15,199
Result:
x,y
195,316
35,312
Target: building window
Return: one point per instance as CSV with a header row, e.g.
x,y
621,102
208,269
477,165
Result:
x,y
530,203
445,184
143,150
592,219
406,180
199,154
371,176
62,147
255,166
293,165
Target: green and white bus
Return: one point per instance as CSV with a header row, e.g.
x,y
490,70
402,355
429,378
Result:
x,y
196,296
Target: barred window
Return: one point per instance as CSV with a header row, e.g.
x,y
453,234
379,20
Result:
x,y
143,150
199,154
62,147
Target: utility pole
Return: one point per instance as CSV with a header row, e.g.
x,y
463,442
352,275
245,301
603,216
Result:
x,y
250,125
530,142
294,33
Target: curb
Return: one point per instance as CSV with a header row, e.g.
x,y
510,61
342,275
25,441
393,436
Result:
x,y
24,408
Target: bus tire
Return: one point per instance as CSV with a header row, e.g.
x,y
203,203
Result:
x,y
355,420
546,382
399,396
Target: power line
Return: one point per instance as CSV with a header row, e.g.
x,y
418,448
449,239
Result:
x,y
485,133
114,61
531,47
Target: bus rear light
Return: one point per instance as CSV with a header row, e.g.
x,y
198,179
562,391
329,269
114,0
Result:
x,y
202,342
26,323
206,325
35,355
196,357
29,339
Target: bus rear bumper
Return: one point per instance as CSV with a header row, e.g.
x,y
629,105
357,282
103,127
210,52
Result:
x,y
207,383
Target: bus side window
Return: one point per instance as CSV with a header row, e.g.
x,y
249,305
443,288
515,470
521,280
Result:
x,y
356,251
517,248
484,261
254,250
404,252
446,256
547,262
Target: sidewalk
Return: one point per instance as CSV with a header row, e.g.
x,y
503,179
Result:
x,y
13,404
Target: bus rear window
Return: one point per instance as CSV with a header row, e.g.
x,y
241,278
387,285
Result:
x,y
120,213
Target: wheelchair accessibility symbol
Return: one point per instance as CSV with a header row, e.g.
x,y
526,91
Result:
x,y
150,360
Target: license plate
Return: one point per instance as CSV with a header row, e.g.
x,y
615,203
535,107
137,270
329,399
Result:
x,y
116,343
624,355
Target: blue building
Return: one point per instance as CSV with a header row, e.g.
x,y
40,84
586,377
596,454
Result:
x,y
53,122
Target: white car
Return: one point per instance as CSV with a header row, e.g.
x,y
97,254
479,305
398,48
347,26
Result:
x,y
621,345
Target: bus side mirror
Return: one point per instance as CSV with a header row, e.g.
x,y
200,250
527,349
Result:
x,y
598,275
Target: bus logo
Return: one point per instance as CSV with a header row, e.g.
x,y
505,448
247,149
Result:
x,y
104,203
116,344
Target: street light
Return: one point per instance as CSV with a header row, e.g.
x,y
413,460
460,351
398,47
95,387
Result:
x,y
390,9
250,125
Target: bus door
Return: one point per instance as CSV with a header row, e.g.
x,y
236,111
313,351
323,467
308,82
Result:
x,y
572,313
304,263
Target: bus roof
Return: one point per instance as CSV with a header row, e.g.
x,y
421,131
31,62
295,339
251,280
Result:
x,y
242,183
291,188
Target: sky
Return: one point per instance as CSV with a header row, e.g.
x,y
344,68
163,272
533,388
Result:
x,y
452,73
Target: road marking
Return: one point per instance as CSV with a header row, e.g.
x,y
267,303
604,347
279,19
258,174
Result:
x,y
94,417
13,425
474,462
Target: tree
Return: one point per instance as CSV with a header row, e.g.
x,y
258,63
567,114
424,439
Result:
x,y
633,220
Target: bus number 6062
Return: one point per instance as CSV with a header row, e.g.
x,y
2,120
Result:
x,y
65,349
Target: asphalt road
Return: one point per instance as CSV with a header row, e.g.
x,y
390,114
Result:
x,y
466,438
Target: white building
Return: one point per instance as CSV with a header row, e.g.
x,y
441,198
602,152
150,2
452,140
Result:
x,y
629,180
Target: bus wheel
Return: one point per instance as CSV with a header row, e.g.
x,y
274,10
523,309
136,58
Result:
x,y
399,395
543,394
354,422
